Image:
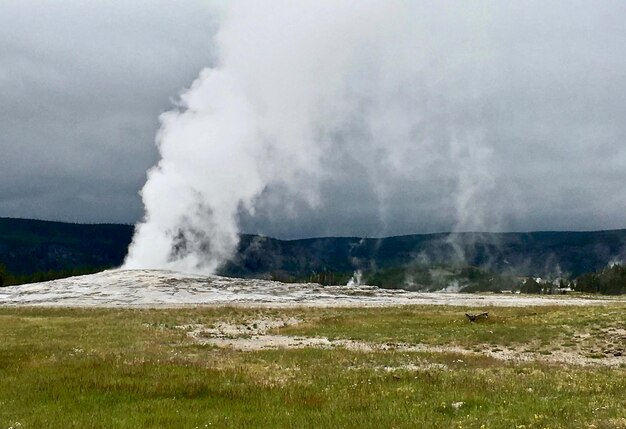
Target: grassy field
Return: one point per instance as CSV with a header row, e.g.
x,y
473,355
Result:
x,y
97,368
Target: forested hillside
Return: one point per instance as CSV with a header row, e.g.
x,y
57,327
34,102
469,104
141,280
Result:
x,y
54,249
525,254
34,250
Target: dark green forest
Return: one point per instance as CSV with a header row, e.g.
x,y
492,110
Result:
x,y
610,281
35,250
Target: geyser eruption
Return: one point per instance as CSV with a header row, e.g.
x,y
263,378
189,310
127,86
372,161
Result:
x,y
305,93
297,83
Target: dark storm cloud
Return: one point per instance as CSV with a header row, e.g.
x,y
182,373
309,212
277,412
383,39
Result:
x,y
82,86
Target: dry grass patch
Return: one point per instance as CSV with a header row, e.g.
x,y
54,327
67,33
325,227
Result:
x,y
76,368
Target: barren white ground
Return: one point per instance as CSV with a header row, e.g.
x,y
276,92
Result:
x,y
154,288
158,288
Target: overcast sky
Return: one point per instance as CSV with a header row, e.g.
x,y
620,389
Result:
x,y
82,84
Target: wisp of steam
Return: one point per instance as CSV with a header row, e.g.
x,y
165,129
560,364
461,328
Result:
x,y
300,92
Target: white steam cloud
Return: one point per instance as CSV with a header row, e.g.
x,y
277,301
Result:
x,y
302,92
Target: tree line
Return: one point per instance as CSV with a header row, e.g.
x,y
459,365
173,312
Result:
x,y
609,281
9,279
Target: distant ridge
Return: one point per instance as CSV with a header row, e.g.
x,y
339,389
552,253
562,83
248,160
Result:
x,y
28,246
530,253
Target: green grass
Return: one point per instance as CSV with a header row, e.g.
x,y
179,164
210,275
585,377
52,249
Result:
x,y
96,368
447,325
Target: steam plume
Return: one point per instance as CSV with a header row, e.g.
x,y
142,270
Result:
x,y
303,91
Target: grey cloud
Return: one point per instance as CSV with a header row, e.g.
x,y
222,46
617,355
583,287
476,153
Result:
x,y
82,85
547,95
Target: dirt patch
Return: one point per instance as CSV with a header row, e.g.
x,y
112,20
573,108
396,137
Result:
x,y
260,334
247,328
